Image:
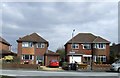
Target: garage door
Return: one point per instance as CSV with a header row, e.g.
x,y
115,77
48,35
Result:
x,y
75,58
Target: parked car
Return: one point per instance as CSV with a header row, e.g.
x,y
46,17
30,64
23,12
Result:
x,y
54,63
115,66
8,58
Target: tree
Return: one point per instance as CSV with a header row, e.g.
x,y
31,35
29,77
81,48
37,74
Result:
x,y
61,51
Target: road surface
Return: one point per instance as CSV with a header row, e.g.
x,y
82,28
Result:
x,y
36,73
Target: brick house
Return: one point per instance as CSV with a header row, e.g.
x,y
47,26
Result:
x,y
5,48
79,48
31,48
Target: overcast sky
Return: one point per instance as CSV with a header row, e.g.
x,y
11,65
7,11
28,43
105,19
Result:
x,y
54,21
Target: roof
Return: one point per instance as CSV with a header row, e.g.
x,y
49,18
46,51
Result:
x,y
87,38
34,37
4,41
7,52
51,53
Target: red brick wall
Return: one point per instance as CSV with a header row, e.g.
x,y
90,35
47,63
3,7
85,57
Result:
x,y
50,57
4,47
19,48
41,51
31,51
81,50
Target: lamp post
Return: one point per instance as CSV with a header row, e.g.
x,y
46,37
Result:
x,y
72,43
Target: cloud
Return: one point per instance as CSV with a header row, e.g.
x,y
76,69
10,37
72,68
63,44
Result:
x,y
55,21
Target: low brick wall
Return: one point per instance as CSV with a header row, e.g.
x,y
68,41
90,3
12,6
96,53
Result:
x,y
19,66
101,66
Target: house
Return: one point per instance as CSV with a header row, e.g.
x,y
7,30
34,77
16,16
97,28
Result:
x,y
33,49
81,47
5,48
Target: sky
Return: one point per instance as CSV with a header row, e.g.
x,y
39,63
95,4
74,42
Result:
x,y
55,21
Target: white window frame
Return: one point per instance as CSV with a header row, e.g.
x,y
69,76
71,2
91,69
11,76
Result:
x,y
94,57
27,44
40,45
23,57
101,58
76,46
104,59
87,45
100,46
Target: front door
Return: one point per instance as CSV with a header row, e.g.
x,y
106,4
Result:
x,y
39,59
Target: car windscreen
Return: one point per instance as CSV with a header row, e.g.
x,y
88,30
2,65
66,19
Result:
x,y
54,61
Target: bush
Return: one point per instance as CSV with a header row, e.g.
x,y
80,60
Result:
x,y
64,64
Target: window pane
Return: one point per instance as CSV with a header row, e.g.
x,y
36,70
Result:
x,y
75,46
40,45
26,57
27,44
30,57
86,46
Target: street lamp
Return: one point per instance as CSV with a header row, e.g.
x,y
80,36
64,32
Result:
x,y
72,44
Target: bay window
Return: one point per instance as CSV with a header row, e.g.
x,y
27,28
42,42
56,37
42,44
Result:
x,y
100,58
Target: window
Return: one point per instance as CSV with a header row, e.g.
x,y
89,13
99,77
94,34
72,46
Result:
x,y
100,59
27,57
100,45
104,58
86,46
75,46
39,57
40,45
27,44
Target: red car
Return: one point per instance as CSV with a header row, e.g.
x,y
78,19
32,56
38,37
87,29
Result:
x,y
54,63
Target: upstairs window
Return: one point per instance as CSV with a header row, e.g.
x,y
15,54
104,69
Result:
x,y
100,46
27,44
75,46
86,46
40,45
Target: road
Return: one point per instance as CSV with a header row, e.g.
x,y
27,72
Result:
x,y
73,74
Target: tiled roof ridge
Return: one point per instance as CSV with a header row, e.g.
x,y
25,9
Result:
x,y
4,41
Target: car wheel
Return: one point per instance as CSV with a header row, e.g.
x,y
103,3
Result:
x,y
119,70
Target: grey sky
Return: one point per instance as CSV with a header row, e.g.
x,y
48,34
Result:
x,y
54,21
